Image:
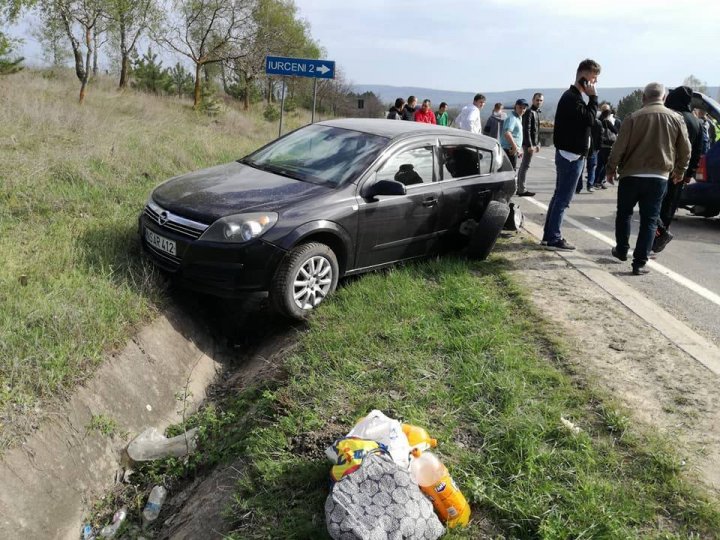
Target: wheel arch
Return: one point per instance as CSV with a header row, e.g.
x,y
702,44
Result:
x,y
326,232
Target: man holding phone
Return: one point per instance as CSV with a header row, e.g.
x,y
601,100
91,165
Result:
x,y
571,137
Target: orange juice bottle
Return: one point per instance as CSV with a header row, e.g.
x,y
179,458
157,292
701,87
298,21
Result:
x,y
435,481
418,437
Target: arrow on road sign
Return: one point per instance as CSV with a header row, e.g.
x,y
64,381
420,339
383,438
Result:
x,y
323,69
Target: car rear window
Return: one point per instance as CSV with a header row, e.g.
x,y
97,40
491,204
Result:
x,y
320,154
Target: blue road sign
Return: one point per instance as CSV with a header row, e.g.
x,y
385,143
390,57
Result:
x,y
300,67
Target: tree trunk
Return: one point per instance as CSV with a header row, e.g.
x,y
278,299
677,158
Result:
x,y
246,97
95,54
197,96
124,57
124,70
88,58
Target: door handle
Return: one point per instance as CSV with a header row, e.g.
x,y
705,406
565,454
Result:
x,y
430,201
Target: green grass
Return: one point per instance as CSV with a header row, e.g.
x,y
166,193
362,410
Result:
x,y
73,180
452,346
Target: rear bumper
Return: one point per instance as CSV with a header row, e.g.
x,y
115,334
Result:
x,y
225,270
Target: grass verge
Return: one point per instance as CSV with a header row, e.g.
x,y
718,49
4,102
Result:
x,y
73,180
453,346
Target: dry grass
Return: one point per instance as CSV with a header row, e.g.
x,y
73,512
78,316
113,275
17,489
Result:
x,y
72,181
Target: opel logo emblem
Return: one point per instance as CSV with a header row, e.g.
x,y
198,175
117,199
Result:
x,y
163,217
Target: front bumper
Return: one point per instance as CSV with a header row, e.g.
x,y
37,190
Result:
x,y
225,270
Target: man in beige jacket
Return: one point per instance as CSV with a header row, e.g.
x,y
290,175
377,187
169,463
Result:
x,y
652,145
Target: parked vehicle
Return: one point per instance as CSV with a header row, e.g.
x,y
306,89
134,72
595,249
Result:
x,y
328,200
702,197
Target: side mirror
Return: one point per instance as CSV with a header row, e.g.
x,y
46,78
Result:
x,y
383,187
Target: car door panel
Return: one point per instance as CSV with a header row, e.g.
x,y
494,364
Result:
x,y
397,227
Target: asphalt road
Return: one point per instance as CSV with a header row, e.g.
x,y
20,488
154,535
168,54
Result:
x,y
692,258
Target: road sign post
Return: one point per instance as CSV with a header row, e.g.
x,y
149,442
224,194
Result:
x,y
299,67
282,106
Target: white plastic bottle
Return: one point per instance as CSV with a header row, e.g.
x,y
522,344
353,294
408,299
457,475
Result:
x,y
154,504
109,531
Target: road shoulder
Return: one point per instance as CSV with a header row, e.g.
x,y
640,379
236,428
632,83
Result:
x,y
615,349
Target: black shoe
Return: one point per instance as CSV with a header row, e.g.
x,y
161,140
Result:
x,y
602,186
526,194
640,270
617,255
562,245
661,241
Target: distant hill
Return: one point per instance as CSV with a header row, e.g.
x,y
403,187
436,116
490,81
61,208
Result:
x,y
454,99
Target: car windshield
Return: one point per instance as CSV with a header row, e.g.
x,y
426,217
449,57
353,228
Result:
x,y
319,154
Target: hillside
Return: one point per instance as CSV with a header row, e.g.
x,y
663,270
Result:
x,y
73,180
388,94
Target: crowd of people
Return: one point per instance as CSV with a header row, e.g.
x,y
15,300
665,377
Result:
x,y
653,154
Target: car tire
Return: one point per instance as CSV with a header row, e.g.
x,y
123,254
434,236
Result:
x,y
483,238
294,297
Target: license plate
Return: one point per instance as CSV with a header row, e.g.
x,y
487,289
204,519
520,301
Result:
x,y
160,242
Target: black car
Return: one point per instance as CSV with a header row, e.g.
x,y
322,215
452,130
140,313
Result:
x,y
328,200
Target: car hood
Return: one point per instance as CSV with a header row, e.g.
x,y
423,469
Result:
x,y
210,194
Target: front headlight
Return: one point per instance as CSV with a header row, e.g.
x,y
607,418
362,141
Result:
x,y
240,228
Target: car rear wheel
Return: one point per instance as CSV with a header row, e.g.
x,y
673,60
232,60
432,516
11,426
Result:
x,y
307,275
483,238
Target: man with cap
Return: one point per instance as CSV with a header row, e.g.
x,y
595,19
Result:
x,y
512,132
531,142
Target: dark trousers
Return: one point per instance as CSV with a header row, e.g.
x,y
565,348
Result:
x,y
648,194
512,158
600,173
670,204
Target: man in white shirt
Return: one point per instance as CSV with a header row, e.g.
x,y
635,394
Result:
x,y
469,117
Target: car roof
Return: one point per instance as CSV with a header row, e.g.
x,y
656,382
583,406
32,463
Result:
x,y
397,129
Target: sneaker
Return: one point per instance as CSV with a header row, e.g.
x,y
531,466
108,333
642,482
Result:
x,y
618,255
640,270
562,245
662,240
603,185
543,243
590,189
526,194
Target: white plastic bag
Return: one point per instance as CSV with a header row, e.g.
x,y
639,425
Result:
x,y
386,431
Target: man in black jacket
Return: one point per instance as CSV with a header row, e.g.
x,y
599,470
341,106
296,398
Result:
x,y
530,142
571,135
409,109
679,100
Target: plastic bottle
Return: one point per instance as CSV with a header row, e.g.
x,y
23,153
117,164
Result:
x,y
154,503
109,531
418,438
435,481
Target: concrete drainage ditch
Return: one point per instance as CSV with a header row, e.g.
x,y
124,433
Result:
x,y
49,480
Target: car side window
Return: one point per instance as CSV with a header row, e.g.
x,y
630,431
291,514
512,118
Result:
x,y
460,161
486,161
409,167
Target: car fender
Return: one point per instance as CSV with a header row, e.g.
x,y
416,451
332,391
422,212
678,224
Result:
x,y
324,226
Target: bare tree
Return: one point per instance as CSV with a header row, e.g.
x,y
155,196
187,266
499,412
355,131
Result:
x,y
79,18
696,84
128,20
208,32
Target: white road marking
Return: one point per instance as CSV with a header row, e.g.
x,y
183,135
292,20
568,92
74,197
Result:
x,y
678,278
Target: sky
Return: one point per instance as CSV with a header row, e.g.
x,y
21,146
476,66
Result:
x,y
502,45
497,45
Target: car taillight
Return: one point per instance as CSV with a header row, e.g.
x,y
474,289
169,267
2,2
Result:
x,y
701,173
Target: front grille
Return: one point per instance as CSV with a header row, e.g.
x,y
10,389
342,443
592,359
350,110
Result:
x,y
173,223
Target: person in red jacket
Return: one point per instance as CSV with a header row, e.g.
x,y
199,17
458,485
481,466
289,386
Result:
x,y
425,113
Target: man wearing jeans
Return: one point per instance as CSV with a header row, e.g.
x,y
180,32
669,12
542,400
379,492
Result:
x,y
530,142
652,145
571,136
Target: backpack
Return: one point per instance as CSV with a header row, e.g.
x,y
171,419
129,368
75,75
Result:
x,y
608,136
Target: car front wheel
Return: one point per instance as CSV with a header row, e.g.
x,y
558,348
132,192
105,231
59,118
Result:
x,y
307,275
